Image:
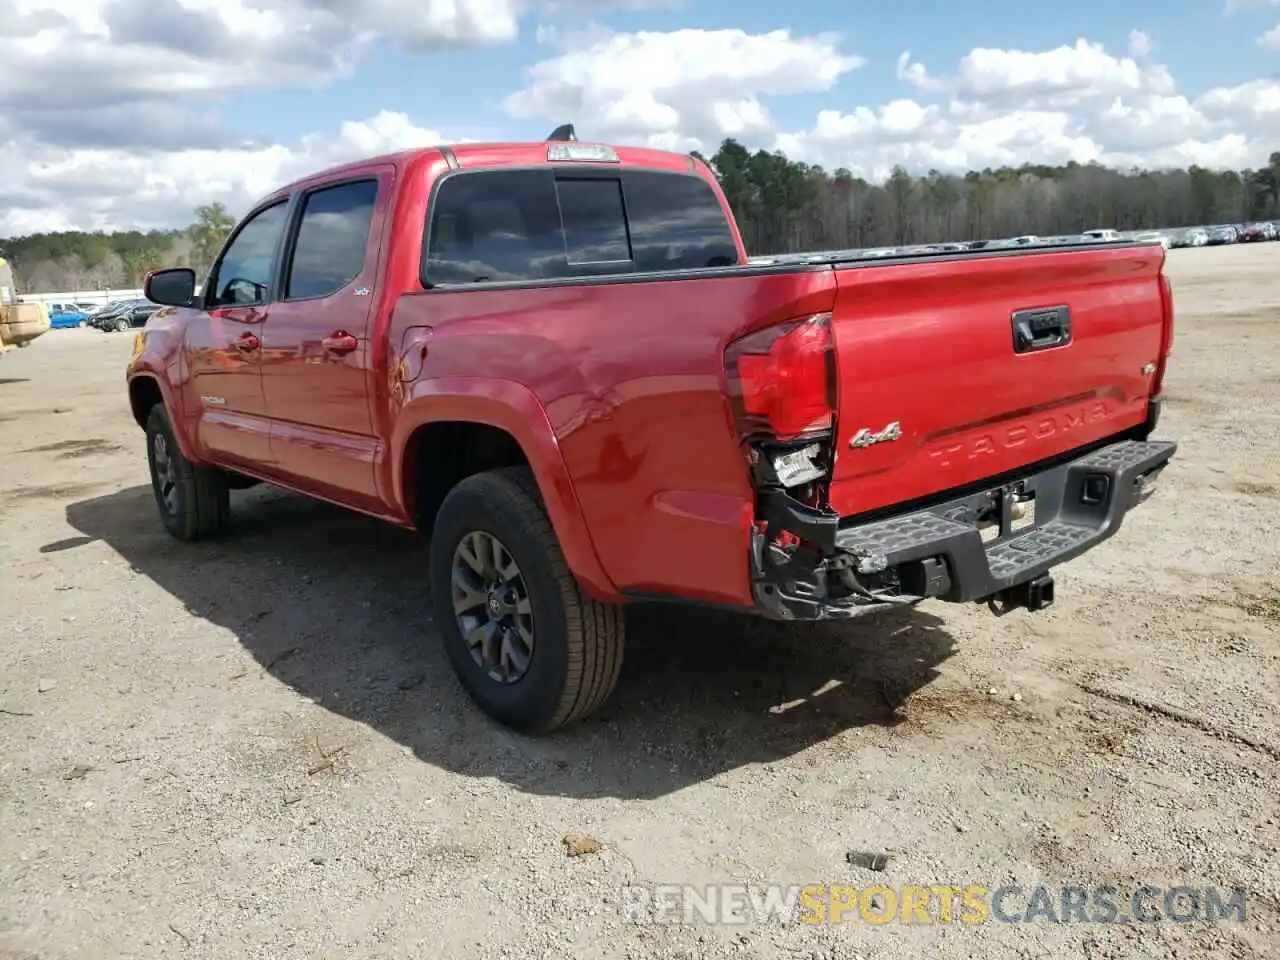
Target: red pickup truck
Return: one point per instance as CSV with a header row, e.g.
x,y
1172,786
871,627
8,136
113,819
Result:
x,y
557,360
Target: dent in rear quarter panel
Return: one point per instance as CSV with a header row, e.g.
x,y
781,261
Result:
x,y
630,375
929,344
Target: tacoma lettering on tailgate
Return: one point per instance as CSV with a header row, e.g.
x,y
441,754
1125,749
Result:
x,y
1009,437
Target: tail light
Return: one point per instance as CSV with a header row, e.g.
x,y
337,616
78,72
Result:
x,y
781,380
1166,337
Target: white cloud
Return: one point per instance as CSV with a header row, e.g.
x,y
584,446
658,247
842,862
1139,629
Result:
x,y
997,107
679,89
61,55
1065,75
74,164
1139,44
1271,39
117,92
90,189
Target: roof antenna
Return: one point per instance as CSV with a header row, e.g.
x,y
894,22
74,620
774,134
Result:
x,y
563,132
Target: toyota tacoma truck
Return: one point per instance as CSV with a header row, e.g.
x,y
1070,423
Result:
x,y
556,360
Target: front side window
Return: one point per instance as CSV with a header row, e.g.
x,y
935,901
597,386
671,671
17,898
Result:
x,y
333,237
243,275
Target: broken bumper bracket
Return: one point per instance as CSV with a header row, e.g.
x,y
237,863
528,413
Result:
x,y
939,551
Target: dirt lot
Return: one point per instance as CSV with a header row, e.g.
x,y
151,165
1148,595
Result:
x,y
254,748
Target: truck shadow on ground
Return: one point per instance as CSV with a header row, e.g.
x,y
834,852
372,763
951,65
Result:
x,y
335,606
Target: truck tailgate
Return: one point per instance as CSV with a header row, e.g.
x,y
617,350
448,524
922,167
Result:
x,y
954,370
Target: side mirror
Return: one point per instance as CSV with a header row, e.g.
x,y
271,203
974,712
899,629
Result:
x,y
174,287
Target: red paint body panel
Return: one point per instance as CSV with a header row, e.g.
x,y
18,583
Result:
x,y
630,377
929,345
615,390
318,393
512,407
237,431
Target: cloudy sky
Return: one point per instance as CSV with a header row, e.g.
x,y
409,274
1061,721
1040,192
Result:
x,y
129,113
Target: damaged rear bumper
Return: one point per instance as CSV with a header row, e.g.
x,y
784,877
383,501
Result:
x,y
965,549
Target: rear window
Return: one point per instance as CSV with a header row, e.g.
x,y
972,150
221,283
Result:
x,y
531,225
594,219
676,223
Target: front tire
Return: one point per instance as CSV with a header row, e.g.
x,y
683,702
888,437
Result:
x,y
529,647
194,502
122,325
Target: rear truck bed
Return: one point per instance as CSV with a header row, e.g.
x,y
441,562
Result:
x,y
952,428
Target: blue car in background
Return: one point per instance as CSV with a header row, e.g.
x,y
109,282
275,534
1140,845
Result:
x,y
61,317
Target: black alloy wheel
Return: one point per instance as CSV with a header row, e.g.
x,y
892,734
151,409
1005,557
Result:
x,y
492,608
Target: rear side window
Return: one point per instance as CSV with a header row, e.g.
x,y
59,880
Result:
x,y
495,226
333,237
676,223
545,224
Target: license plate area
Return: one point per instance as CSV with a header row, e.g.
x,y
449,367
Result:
x,y
1007,512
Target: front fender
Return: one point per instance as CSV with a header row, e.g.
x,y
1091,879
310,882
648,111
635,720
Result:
x,y
512,407
153,365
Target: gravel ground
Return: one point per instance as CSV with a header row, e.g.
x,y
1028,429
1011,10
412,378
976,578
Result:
x,y
253,748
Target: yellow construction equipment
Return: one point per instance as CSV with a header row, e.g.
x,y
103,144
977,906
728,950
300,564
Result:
x,y
20,323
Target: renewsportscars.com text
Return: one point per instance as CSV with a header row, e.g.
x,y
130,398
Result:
x,y
928,904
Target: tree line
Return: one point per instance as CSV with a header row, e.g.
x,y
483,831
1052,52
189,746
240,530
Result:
x,y
75,260
782,205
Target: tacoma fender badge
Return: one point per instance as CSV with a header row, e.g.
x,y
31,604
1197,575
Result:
x,y
213,401
865,437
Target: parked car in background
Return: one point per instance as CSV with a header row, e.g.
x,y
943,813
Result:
x,y
1257,232
1220,235
102,310
1195,237
1154,236
106,318
1102,236
63,316
136,314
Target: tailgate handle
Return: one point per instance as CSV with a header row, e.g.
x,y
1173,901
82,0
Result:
x,y
1041,328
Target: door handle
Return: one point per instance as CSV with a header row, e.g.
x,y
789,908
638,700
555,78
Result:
x,y
340,342
246,343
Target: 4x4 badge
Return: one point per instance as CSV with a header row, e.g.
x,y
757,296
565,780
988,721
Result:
x,y
865,437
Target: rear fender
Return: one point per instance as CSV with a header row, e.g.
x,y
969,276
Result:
x,y
512,407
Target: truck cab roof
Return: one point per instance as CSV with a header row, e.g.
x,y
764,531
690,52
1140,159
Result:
x,y
500,154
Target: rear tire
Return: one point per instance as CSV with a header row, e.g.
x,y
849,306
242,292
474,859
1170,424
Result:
x,y
194,502
555,653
